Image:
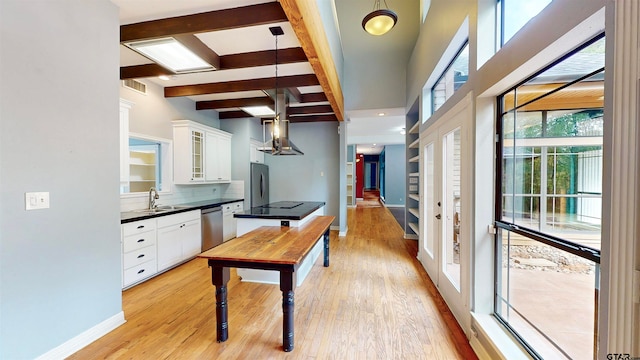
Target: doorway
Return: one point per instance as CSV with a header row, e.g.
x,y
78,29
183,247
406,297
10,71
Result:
x,y
445,196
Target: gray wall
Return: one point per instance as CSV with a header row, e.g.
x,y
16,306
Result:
x,y
394,175
299,177
59,267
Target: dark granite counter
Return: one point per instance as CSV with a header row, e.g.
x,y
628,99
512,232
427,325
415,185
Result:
x,y
131,216
286,210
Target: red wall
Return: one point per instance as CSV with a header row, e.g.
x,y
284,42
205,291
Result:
x,y
359,176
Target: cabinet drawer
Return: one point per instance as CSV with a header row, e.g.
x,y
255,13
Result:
x,y
138,241
237,206
227,208
139,256
169,220
139,272
138,227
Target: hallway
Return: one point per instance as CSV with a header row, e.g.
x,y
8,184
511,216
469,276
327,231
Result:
x,y
375,301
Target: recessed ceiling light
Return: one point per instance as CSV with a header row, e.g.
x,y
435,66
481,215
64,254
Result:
x,y
171,54
258,111
381,114
164,77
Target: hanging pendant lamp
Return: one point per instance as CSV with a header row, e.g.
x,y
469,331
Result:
x,y
379,21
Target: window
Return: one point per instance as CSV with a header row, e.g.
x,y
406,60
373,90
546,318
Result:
x,y
548,206
149,164
454,76
514,14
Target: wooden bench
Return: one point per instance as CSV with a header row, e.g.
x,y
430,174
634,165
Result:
x,y
278,248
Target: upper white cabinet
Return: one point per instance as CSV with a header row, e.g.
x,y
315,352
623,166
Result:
x,y
201,154
256,155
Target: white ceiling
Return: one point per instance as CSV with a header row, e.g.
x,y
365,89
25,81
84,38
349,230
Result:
x,y
364,126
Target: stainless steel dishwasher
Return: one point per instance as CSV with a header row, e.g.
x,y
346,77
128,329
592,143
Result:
x,y
211,227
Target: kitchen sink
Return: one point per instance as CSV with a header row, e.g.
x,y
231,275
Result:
x,y
161,209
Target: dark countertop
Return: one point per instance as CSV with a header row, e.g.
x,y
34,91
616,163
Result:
x,y
131,216
287,212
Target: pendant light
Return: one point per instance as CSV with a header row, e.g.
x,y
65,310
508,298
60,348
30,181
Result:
x,y
379,21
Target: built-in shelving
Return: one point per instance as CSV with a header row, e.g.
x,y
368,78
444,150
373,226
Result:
x,y
415,144
415,129
350,185
414,227
413,176
415,158
415,212
142,169
415,197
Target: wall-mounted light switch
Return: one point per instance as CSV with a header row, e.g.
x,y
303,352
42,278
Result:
x,y
36,200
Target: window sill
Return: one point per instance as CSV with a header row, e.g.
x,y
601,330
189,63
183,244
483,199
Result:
x,y
491,341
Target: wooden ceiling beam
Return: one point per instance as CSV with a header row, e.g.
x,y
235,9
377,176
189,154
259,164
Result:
x,y
313,118
232,61
241,85
251,15
316,109
141,71
304,17
313,97
238,114
234,103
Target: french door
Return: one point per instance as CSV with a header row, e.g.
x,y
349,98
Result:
x,y
444,211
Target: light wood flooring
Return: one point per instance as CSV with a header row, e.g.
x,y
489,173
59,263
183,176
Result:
x,y
375,301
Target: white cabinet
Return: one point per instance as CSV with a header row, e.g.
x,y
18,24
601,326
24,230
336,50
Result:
x,y
138,251
228,221
179,238
255,155
218,156
201,154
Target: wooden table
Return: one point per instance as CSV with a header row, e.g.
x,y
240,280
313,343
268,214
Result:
x,y
278,248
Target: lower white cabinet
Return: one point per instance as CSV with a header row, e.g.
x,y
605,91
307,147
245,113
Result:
x,y
153,245
138,251
228,221
179,238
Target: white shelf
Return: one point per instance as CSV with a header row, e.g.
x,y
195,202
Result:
x,y
414,227
416,174
415,158
415,128
415,212
415,144
415,197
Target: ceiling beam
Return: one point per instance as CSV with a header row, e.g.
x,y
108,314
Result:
x,y
251,15
141,71
241,85
313,118
313,97
233,103
199,48
238,114
232,61
304,17
316,109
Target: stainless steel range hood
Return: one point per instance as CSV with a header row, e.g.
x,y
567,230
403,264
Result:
x,y
279,144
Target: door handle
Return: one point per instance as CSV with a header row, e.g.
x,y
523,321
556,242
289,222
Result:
x,y
438,216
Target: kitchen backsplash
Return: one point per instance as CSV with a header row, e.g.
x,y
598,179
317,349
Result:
x,y
181,194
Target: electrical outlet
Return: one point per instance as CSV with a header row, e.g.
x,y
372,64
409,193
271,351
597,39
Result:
x,y
284,223
36,200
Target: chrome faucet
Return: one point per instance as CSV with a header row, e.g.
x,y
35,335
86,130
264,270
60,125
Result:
x,y
153,198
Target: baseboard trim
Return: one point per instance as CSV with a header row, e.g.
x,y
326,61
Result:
x,y
76,343
411,236
394,205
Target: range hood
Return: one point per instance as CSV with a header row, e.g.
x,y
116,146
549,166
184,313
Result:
x,y
280,144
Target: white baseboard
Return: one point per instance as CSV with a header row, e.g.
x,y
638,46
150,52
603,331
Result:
x,y
394,205
72,345
411,236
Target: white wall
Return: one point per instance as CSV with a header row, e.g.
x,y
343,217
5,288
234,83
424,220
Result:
x,y
59,267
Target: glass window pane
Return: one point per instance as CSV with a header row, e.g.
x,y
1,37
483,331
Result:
x,y
429,205
452,79
517,13
451,159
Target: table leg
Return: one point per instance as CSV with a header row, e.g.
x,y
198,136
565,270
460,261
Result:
x,y
219,278
326,248
287,285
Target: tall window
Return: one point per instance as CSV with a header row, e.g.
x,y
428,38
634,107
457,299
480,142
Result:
x,y
453,77
514,14
548,208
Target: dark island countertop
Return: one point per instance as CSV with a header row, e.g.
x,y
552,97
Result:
x,y
287,210
131,216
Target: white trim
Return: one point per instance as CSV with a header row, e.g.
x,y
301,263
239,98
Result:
x,y
78,342
491,341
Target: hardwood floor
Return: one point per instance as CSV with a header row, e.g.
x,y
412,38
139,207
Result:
x,y
375,301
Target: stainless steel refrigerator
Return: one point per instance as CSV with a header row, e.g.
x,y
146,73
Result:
x,y
259,185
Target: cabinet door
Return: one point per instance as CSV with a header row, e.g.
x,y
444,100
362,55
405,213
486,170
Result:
x,y
197,155
224,158
211,165
169,245
191,239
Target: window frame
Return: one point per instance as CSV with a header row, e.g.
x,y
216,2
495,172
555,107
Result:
x,y
166,165
444,72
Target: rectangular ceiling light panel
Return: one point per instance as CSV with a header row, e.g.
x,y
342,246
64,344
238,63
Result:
x,y
171,54
258,111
